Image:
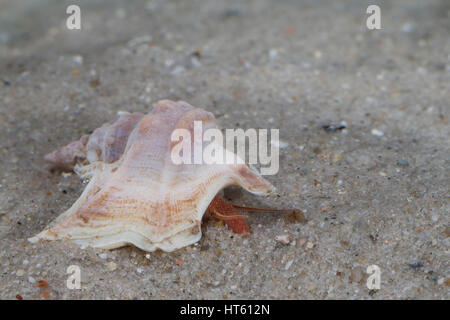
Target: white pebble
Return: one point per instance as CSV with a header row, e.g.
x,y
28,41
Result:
x,y
78,59
377,132
408,27
111,266
177,70
66,174
273,54
31,279
309,245
121,113
288,264
284,239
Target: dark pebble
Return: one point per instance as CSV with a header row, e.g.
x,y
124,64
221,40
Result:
x,y
332,127
415,266
402,163
231,12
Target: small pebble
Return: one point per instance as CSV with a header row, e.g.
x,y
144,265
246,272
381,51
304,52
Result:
x,y
295,216
402,163
415,266
177,70
311,287
31,279
447,231
302,242
20,273
284,239
377,133
66,174
78,59
309,245
356,274
333,127
288,264
103,255
408,27
273,54
111,266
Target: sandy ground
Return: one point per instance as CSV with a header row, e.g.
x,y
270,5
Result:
x,y
375,193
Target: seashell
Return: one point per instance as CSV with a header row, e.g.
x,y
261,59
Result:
x,y
136,195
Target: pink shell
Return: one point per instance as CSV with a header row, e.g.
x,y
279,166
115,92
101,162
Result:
x,y
136,194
